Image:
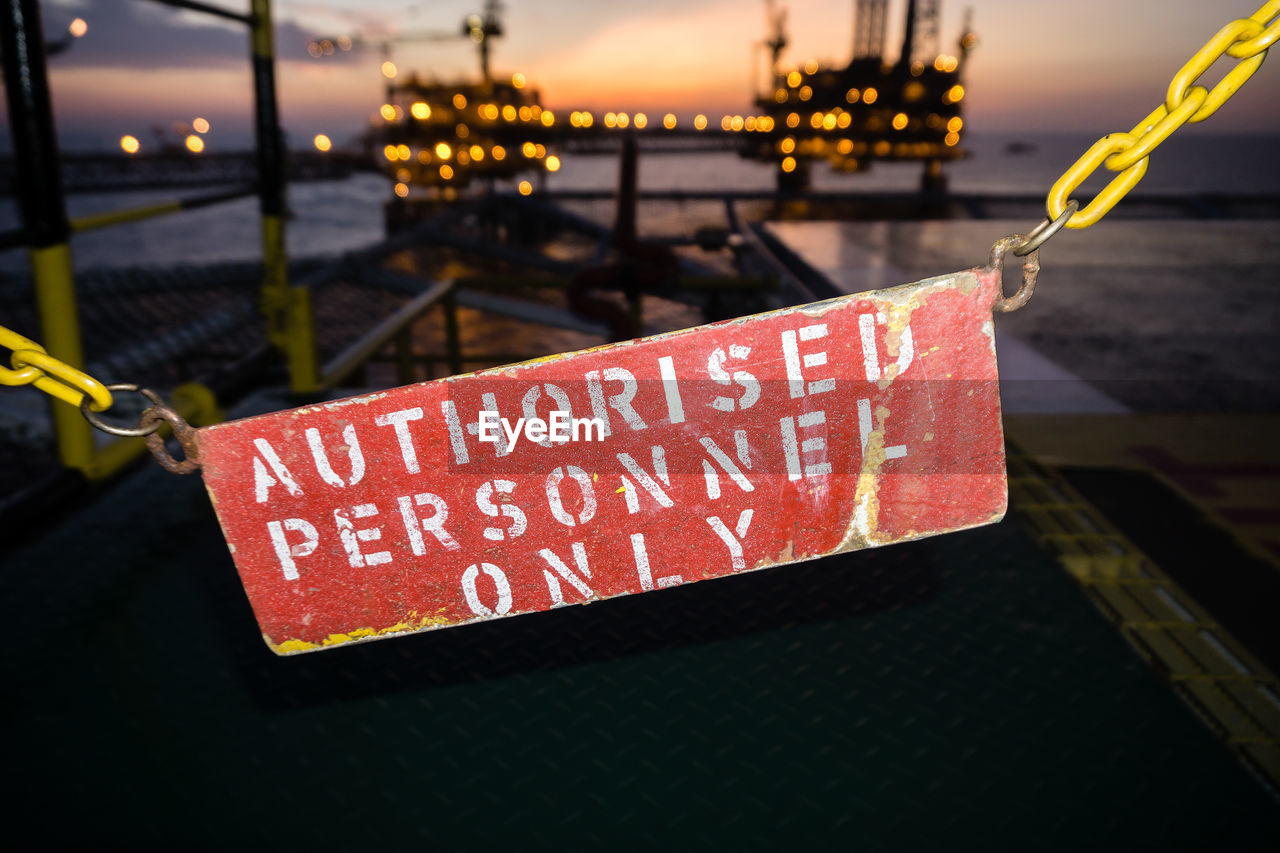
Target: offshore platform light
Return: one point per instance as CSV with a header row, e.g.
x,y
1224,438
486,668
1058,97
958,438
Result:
x,y
641,121
780,96
194,144
553,163
391,152
917,68
539,151
344,42
844,120
460,101
388,112
700,122
788,164
726,122
446,171
869,95
623,119
787,145
403,175
954,95
587,119
736,123
805,93
389,70
420,110
793,79
610,120
402,151
518,80
402,189
669,121
525,188
529,150
477,153
811,66
547,118
829,121
951,138
462,131
322,142
462,157
498,152
78,27
200,125
424,156
954,124
443,151
899,121
129,144
509,113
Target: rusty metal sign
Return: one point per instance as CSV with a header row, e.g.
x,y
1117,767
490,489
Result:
x,y
845,424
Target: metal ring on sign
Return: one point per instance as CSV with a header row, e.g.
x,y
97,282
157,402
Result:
x,y
182,431
144,427
1046,229
1030,270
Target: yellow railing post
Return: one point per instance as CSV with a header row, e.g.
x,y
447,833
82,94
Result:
x,y
290,325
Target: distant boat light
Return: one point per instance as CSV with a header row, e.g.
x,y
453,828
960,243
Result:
x,y
323,143
78,27
130,144
194,144
200,125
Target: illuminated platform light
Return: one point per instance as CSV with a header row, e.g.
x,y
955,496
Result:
x,y
194,144
539,151
829,121
587,119
852,96
954,124
765,124
869,95
424,156
669,121
726,122
387,112
787,145
389,70
78,27
420,110
477,153
623,119
446,171
402,151
344,42
793,79
547,118
534,111
881,148
460,101
951,138
518,80
200,125
402,189
780,96
899,121
610,120
736,123
498,152
844,146
443,151
793,119
815,120
525,188
528,149
575,119
462,131
391,153
130,144
462,157
954,95
811,66
788,164
700,122
843,120
553,163
508,113
749,123
403,175
322,142
640,120
805,93
917,68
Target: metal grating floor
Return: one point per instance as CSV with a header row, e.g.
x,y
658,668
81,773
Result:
x,y
937,692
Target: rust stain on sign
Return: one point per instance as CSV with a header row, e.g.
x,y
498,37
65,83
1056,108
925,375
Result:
x,y
845,424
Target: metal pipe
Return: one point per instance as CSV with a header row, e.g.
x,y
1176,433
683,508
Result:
x,y
147,211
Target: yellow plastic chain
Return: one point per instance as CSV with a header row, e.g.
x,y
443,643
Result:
x,y
33,366
1246,40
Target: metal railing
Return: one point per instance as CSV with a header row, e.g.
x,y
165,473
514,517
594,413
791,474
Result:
x,y
46,229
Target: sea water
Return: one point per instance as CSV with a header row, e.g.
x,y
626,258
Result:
x,y
328,218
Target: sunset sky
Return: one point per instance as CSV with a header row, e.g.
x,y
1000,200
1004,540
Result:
x,y
1085,65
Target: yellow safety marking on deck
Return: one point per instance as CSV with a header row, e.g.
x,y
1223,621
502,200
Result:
x,y
1209,669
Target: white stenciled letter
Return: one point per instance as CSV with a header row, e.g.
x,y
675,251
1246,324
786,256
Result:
x,y
484,500
556,502
642,476
733,542
575,580
321,456
645,573
433,524
795,362
286,552
621,402
896,451
750,385
351,538
730,468
262,480
503,588
400,420
871,355
815,447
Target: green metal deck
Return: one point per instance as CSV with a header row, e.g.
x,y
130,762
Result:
x,y
951,692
